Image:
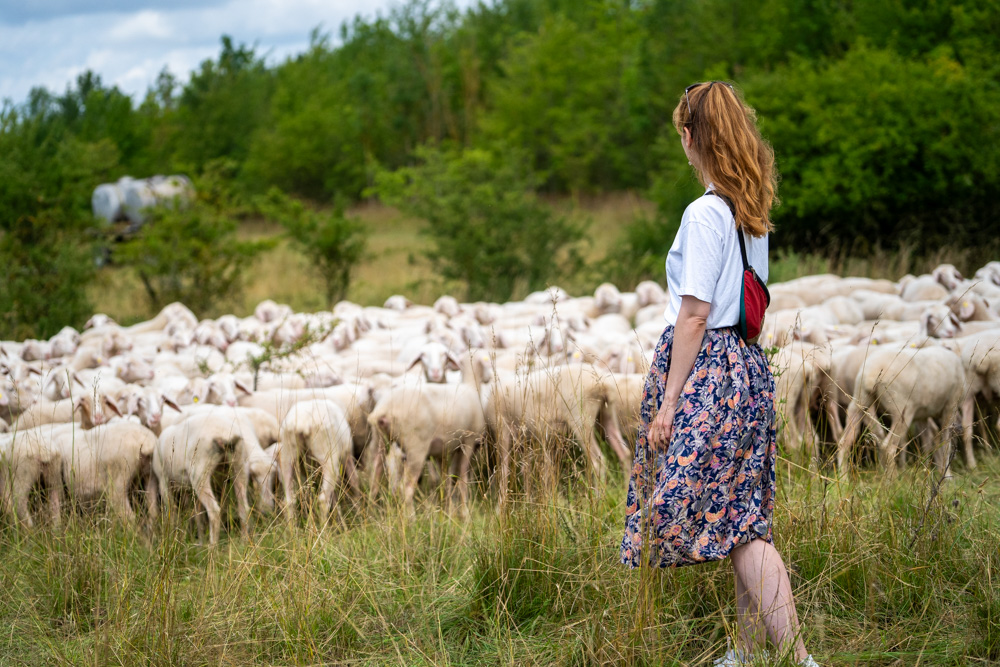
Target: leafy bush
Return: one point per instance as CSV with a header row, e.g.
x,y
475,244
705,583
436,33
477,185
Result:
x,y
192,254
489,230
876,147
46,230
333,243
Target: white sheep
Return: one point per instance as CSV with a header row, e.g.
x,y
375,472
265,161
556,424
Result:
x,y
27,458
187,454
104,461
440,421
981,361
908,384
89,409
316,430
546,403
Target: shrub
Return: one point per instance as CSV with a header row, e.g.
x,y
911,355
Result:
x,y
192,254
876,146
46,229
489,230
334,243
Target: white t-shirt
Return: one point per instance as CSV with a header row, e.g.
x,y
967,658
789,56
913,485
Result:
x,y
704,261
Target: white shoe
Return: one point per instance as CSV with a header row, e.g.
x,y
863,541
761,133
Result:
x,y
732,658
809,662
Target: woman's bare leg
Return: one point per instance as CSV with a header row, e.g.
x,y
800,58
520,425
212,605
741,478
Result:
x,y
769,594
751,635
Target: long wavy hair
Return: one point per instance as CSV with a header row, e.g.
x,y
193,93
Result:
x,y
731,153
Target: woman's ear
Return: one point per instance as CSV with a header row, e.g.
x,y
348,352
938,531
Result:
x,y
687,137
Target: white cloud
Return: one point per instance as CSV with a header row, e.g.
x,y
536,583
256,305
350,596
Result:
x,y
129,48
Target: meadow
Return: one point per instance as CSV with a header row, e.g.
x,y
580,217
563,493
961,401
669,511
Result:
x,y
885,572
905,572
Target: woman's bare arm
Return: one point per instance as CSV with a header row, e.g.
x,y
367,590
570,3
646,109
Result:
x,y
688,333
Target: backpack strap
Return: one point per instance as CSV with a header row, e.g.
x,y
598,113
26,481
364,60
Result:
x,y
739,233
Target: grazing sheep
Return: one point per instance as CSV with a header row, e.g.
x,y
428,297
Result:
x,y
27,458
188,453
922,288
981,361
89,410
908,384
318,430
440,421
801,366
104,461
550,402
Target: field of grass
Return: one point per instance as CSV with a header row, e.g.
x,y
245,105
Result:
x,y
395,262
396,265
884,573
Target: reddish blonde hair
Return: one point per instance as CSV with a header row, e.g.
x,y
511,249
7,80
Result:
x,y
732,155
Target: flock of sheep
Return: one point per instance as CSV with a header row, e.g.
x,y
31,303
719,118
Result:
x,y
325,404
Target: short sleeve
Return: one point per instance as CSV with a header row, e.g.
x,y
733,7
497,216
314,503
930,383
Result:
x,y
701,262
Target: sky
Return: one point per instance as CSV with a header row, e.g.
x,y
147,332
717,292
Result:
x,y
128,42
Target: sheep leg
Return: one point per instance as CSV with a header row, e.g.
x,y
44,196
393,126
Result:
x,y
118,497
968,416
793,436
505,442
240,483
351,470
376,459
889,446
850,435
287,457
464,461
22,488
204,493
330,473
585,436
53,482
152,504
416,457
832,409
610,423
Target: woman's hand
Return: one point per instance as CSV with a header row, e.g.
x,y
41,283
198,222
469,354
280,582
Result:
x,y
662,426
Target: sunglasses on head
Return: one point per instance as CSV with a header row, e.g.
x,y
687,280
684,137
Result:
x,y
710,84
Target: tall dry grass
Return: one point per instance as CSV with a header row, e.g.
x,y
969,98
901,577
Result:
x,y
883,575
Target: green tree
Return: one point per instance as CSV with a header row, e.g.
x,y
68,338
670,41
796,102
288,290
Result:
x,y
876,147
489,230
334,243
221,106
46,229
561,98
312,146
192,253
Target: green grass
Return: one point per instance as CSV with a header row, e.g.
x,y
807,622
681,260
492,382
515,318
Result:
x,y
880,578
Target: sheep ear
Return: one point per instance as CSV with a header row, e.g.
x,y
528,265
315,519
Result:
x,y
76,379
966,310
114,406
33,371
171,404
417,360
242,387
453,362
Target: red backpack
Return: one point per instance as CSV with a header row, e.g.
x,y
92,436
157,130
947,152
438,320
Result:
x,y
754,297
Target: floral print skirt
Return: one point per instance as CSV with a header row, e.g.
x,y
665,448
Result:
x,y
713,488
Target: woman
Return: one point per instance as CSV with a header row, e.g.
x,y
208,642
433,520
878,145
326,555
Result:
x,y
702,484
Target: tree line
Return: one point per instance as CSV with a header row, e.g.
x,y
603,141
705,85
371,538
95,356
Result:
x,y
882,115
